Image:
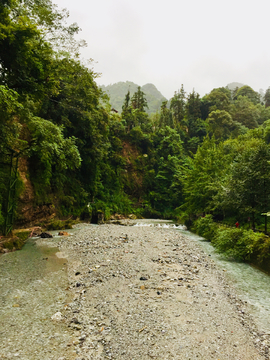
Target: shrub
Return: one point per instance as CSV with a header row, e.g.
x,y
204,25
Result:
x,y
242,244
206,227
60,224
237,243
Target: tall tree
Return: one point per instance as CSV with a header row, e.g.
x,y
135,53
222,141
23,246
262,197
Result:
x,y
196,126
267,98
245,112
165,118
248,187
218,99
247,91
222,126
177,107
202,177
138,100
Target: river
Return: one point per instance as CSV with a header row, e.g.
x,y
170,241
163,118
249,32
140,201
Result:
x,y
33,285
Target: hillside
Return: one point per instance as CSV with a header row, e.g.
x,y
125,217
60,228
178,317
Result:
x,y
118,91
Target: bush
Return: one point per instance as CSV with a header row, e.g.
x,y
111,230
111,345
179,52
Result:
x,y
206,227
237,243
60,224
242,244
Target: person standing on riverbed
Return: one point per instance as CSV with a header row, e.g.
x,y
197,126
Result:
x,y
237,224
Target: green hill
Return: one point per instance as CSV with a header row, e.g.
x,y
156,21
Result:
x,y
118,91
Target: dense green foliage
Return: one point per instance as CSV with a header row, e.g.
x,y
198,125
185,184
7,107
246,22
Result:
x,y
239,243
192,156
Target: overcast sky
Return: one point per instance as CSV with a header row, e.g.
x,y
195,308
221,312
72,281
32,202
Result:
x,y
201,44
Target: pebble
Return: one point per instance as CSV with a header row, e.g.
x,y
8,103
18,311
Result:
x,y
57,316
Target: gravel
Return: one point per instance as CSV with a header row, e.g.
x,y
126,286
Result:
x,y
127,292
151,293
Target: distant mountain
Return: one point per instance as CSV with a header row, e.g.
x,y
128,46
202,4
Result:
x,y
118,91
234,85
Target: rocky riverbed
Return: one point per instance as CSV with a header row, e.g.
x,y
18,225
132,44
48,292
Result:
x,y
145,293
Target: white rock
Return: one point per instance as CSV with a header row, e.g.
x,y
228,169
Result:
x,y
57,316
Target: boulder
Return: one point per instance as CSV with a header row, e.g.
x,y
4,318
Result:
x,y
63,233
45,235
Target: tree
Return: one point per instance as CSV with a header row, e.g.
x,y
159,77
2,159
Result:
x,y
126,102
10,126
193,112
63,112
10,144
25,58
165,118
248,186
177,106
138,100
264,113
164,189
138,116
266,131
245,112
51,22
247,91
221,125
196,127
202,177
127,114
78,107
267,98
218,99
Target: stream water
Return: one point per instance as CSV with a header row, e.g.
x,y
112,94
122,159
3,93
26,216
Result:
x,y
32,289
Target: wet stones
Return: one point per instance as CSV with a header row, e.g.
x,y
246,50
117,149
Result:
x,y
46,235
143,278
63,233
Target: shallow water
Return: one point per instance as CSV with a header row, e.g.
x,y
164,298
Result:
x,y
32,289
166,224
251,284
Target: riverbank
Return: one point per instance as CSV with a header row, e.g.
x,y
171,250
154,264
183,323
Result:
x,y
148,292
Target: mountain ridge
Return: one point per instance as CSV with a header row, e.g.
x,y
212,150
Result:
x,y
118,91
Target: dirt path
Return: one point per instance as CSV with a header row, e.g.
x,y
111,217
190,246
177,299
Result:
x,y
150,293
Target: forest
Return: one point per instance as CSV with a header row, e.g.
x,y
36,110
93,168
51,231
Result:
x,y
64,152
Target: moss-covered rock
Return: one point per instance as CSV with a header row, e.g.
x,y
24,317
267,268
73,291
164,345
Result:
x,y
14,242
60,224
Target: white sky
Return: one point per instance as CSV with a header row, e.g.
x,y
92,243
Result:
x,y
202,44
